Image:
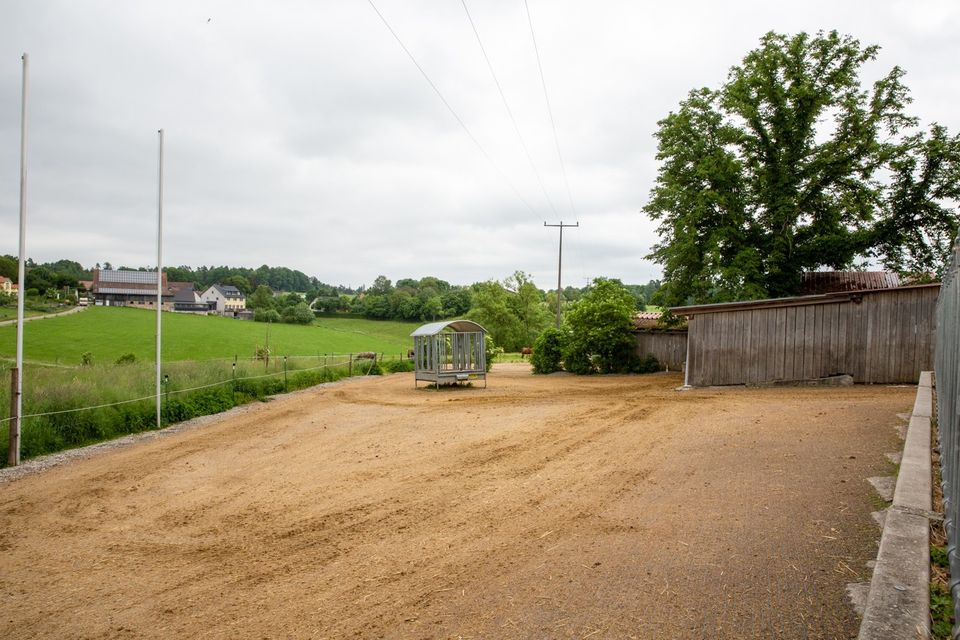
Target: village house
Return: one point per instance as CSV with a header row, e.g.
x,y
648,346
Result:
x,y
225,299
8,287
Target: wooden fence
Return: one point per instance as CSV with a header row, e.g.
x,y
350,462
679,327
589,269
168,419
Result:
x,y
882,336
668,347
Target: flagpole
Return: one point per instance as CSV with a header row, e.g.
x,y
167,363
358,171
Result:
x,y
16,406
159,263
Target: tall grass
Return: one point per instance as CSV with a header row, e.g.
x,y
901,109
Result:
x,y
72,407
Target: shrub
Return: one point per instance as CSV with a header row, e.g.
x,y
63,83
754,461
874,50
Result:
x,y
599,330
397,366
86,359
649,364
491,350
576,359
548,351
127,358
266,315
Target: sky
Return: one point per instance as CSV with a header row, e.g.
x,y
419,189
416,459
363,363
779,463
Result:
x,y
300,134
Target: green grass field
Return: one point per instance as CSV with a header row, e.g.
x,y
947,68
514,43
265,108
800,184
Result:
x,y
109,332
10,313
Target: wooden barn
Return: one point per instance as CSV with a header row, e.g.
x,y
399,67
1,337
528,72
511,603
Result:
x,y
876,336
668,345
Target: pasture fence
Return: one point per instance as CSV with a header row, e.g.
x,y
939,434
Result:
x,y
947,369
66,407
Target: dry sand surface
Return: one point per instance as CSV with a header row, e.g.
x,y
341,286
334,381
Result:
x,y
541,507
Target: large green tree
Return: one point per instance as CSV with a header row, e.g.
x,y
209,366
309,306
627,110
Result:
x,y
792,165
598,330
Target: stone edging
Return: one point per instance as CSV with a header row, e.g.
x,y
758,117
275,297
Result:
x,y
898,605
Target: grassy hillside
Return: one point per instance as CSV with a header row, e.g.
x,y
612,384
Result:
x,y
109,332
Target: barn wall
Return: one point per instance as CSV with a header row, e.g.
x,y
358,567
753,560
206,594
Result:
x,y
888,337
668,347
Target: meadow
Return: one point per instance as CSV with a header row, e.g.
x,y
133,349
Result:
x,y
107,333
209,363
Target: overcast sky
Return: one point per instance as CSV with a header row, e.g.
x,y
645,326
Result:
x,y
300,134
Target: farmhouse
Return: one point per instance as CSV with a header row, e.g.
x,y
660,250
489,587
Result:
x,y
8,287
127,288
225,299
187,300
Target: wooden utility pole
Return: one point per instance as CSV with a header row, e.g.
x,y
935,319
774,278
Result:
x,y
560,262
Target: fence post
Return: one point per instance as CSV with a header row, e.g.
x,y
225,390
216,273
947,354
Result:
x,y
13,451
234,375
166,389
350,370
285,373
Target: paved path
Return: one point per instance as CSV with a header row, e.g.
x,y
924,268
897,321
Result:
x,y
43,317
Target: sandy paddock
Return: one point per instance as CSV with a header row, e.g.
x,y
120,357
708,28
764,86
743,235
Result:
x,y
541,507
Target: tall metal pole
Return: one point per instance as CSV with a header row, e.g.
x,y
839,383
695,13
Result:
x,y
159,263
16,404
560,262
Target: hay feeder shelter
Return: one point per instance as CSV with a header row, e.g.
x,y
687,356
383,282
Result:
x,y
450,352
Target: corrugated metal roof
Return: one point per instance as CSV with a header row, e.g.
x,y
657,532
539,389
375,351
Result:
x,y
815,282
434,328
128,277
131,291
796,301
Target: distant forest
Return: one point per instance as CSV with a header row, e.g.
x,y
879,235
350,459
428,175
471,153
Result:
x,y
42,276
515,310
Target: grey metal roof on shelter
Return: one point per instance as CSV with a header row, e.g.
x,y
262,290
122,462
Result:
x,y
434,328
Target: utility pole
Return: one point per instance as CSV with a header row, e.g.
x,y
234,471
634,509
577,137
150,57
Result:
x,y
560,262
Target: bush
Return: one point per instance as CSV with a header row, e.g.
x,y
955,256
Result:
x,y
299,313
548,351
650,364
576,359
397,366
86,359
127,358
599,330
491,350
266,315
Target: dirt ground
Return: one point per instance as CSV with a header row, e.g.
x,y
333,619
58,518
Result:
x,y
540,507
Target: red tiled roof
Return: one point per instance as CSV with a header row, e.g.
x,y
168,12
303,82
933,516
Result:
x,y
646,319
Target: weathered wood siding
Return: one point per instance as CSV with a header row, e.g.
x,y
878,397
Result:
x,y
668,347
887,337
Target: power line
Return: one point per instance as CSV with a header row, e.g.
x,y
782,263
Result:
x,y
450,108
506,106
553,124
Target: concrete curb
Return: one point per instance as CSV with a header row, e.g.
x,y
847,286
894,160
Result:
x,y
898,605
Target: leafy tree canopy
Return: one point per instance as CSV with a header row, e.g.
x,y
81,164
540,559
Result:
x,y
792,165
598,328
9,267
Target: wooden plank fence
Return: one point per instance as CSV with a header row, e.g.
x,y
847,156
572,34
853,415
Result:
x,y
668,347
881,336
